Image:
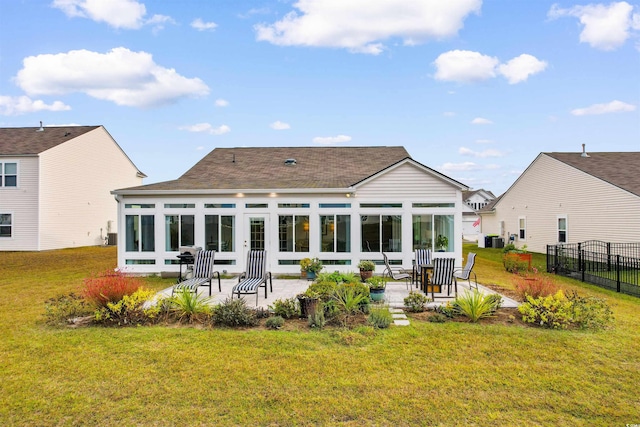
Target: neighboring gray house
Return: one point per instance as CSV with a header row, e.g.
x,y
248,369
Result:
x,y
55,185
570,198
341,204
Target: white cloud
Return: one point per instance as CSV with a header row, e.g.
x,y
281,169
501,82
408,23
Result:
x,y
207,128
611,107
520,68
449,114
200,25
481,154
484,141
278,125
331,139
120,75
127,14
222,102
481,121
465,66
457,167
604,27
17,105
361,25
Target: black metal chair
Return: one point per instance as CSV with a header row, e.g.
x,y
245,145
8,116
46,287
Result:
x,y
443,276
395,273
466,272
203,274
255,276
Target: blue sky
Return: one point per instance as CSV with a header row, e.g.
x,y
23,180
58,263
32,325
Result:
x,y
474,89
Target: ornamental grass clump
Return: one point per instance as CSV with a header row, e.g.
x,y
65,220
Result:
x,y
189,307
109,287
534,285
475,305
380,317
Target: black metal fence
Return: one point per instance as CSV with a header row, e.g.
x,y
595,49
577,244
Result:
x,y
614,266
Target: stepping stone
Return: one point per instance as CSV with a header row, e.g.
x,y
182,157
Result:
x,y
396,310
399,316
400,322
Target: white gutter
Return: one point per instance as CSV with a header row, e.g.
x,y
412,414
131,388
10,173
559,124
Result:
x,y
244,191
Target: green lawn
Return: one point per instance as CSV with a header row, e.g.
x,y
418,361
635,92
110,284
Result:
x,y
425,374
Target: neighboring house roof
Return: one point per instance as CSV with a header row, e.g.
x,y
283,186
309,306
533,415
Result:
x,y
619,169
31,141
262,168
466,195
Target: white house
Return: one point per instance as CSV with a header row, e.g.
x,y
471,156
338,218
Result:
x,y
55,185
473,201
340,204
570,198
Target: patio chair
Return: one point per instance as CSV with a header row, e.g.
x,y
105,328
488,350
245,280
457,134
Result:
x,y
395,273
203,274
255,276
466,272
423,257
443,276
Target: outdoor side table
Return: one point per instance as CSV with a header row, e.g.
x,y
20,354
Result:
x,y
424,279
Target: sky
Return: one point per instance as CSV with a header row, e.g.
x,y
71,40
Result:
x,y
473,89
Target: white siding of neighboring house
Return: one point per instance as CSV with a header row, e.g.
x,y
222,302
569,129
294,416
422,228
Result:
x,y
22,203
405,184
595,210
75,181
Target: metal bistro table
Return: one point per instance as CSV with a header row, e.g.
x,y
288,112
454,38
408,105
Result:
x,y
186,259
425,269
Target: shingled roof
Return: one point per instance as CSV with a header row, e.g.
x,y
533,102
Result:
x,y
265,168
619,169
31,141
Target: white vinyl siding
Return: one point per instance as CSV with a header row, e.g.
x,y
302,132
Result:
x,y
22,203
76,179
548,188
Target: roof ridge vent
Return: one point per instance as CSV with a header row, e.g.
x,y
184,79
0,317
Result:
x,y
290,162
584,151
41,127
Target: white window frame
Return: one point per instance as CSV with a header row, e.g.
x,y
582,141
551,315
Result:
x,y
11,225
3,174
566,228
522,231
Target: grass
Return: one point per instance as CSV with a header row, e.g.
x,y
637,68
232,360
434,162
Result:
x,y
425,374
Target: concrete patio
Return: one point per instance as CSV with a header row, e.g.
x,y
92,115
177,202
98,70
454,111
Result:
x,y
289,288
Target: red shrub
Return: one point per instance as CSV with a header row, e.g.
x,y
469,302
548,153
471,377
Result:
x,y
109,286
535,284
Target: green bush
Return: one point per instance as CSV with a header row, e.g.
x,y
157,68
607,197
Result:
x,y
322,289
286,308
234,313
58,311
187,306
416,301
380,317
553,311
590,312
376,282
475,305
437,318
130,310
316,319
446,309
275,322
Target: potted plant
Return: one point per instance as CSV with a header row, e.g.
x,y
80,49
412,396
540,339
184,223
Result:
x,y
312,266
366,269
442,243
377,286
304,265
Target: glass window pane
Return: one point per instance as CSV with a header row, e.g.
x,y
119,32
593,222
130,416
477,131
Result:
x,y
302,233
391,233
5,219
187,227
147,233
10,181
370,228
343,233
10,168
227,242
131,233
443,226
422,232
211,226
5,231
327,229
286,233
171,232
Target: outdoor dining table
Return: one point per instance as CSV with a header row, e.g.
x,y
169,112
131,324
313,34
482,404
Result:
x,y
424,278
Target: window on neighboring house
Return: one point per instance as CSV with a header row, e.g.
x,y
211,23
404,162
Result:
x,y
140,233
179,231
6,225
8,174
381,233
522,227
335,233
562,229
293,233
219,232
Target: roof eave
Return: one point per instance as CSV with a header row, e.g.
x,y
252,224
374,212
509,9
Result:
x,y
224,191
